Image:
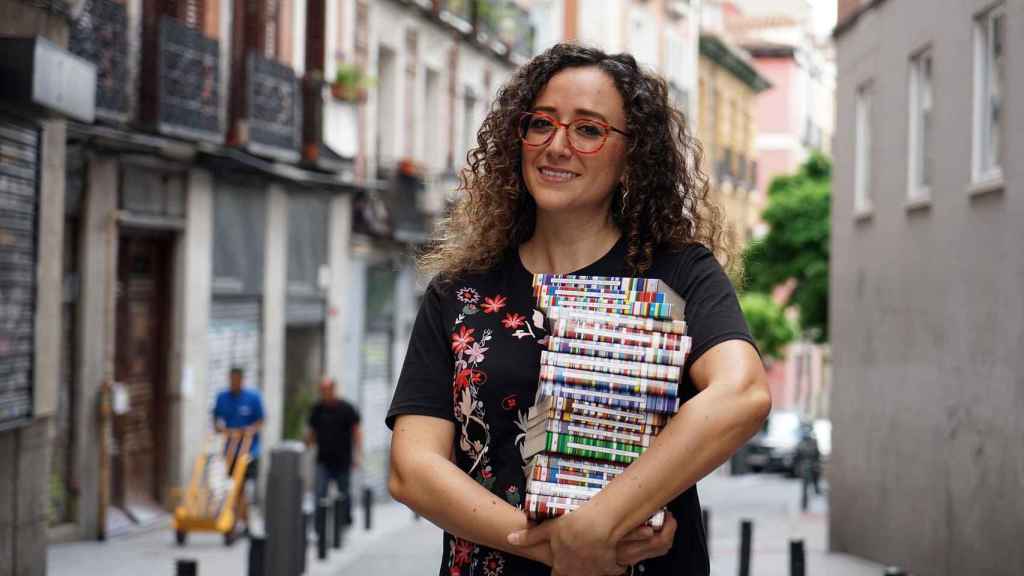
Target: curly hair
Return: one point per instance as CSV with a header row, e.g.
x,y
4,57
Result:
x,y
666,204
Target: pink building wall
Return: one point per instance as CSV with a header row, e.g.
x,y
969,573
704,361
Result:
x,y
775,105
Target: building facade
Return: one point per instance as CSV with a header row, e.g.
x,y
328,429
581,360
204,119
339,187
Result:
x,y
245,186
729,84
926,281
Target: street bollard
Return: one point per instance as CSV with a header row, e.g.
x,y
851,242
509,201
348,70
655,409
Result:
x,y
321,528
367,508
282,555
746,534
797,559
186,567
895,571
339,519
257,550
804,486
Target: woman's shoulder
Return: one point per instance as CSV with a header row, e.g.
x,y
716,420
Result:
x,y
671,261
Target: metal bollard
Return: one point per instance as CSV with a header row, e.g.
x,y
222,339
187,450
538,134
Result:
x,y
797,559
339,520
367,508
186,567
257,549
322,508
804,487
746,534
895,571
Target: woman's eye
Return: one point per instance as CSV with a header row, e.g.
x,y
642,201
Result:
x,y
540,124
589,130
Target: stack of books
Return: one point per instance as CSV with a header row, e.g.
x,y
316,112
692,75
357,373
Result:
x,y
609,382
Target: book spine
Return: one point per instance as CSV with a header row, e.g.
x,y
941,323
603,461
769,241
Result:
x,y
608,382
620,367
599,282
592,448
596,433
659,404
542,488
560,476
635,322
604,412
540,507
613,295
594,332
577,465
660,311
617,352
606,424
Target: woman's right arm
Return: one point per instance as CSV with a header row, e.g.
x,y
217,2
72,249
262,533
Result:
x,y
424,478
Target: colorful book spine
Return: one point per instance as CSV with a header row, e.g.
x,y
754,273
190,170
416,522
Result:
x,y
615,367
560,490
607,413
595,422
624,284
614,295
577,465
645,402
597,432
608,382
595,332
540,507
559,476
583,447
636,322
659,311
617,352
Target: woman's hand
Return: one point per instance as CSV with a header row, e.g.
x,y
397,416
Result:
x,y
582,546
644,542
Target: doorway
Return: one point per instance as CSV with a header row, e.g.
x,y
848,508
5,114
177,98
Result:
x,y
138,458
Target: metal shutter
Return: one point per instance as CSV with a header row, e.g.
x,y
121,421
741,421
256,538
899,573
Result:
x,y
19,167
234,340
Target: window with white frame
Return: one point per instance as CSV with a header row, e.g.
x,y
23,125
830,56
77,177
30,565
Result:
x,y
989,85
919,159
862,151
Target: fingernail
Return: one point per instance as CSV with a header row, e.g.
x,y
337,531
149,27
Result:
x,y
515,538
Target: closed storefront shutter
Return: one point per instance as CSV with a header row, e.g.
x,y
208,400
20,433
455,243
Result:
x,y
234,340
19,161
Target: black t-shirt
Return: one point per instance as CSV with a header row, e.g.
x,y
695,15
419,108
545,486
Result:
x,y
332,424
474,359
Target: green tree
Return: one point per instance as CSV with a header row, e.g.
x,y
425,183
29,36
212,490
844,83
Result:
x,y
768,323
797,244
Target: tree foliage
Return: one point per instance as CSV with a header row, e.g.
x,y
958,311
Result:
x,y
768,323
797,244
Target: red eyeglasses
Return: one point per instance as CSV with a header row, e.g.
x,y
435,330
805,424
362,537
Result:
x,y
586,136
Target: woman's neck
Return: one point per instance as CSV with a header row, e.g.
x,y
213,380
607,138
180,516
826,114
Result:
x,y
559,246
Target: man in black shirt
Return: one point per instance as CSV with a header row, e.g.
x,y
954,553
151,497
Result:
x,y
334,429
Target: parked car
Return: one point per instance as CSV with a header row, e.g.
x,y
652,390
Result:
x,y
784,445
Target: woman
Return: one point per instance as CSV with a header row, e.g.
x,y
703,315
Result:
x,y
581,167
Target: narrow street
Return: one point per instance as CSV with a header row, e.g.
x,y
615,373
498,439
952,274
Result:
x,y
400,545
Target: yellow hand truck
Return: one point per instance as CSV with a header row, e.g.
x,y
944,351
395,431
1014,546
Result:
x,y
215,497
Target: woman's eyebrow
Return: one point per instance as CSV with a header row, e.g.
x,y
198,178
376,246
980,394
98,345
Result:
x,y
578,112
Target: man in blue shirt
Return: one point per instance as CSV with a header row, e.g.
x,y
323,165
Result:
x,y
241,410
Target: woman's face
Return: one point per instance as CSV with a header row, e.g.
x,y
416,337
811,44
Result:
x,y
559,178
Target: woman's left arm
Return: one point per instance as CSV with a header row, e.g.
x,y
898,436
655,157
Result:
x,y
732,402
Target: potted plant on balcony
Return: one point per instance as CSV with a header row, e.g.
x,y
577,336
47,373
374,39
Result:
x,y
350,83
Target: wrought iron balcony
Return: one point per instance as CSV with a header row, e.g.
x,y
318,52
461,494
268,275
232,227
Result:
x,y
99,35
188,83
516,31
458,13
272,110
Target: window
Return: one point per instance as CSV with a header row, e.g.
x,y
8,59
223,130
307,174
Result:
x,y
989,84
862,151
919,158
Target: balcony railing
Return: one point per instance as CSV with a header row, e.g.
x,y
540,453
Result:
x,y
458,13
273,108
188,94
516,31
100,35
